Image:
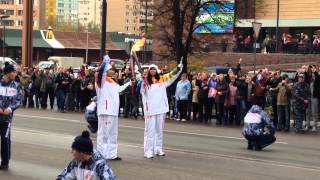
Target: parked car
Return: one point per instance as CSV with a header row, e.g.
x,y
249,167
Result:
x,y
93,64
290,72
66,62
119,64
7,59
219,69
46,64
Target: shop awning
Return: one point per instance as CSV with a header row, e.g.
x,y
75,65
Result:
x,y
14,39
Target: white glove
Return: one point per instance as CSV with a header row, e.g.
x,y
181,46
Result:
x,y
106,59
91,106
180,64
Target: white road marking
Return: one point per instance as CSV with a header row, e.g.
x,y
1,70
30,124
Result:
x,y
174,150
234,158
49,118
141,128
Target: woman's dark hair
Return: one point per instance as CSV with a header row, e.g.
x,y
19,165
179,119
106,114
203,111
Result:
x,y
149,78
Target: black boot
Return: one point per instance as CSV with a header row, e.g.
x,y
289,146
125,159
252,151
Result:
x,y
4,167
256,146
250,147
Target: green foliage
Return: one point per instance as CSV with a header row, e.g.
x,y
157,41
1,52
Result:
x,y
195,64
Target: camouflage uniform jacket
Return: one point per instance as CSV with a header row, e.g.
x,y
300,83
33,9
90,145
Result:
x,y
256,121
301,92
96,168
10,97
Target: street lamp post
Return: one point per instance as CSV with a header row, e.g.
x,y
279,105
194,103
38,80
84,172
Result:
x,y
87,47
146,31
3,34
256,28
277,28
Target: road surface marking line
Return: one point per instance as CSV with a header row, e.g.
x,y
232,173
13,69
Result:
x,y
141,128
183,151
50,118
234,158
199,134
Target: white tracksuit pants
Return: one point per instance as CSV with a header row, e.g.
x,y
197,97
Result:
x,y
153,135
107,136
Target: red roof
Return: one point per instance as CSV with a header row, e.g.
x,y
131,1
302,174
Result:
x,y
78,40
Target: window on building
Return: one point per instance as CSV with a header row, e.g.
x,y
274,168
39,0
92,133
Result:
x,y
19,23
20,13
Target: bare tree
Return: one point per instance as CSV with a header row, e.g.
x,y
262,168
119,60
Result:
x,y
176,22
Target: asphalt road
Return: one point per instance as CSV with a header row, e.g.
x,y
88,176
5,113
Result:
x,y
41,143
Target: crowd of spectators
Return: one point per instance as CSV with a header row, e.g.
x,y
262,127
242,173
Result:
x,y
293,44
199,97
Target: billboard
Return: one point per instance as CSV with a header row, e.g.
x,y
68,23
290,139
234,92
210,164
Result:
x,y
216,18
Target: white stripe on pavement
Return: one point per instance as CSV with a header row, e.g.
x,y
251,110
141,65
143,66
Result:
x,y
173,150
140,128
49,118
33,171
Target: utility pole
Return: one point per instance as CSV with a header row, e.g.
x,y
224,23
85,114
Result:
x,y
146,31
27,33
277,28
3,35
87,47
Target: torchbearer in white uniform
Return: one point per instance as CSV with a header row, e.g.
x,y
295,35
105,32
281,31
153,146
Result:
x,y
108,110
155,104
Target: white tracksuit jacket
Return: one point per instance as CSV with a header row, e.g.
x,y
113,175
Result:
x,y
155,104
155,98
108,97
108,110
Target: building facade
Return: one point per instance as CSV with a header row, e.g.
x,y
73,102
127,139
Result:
x,y
14,8
146,7
67,14
128,16
295,17
50,7
89,14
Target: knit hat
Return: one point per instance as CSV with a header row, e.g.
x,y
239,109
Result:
x,y
83,143
8,68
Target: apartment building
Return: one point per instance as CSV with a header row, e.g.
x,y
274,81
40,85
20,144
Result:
x,y
50,9
128,16
14,8
67,13
89,13
146,7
